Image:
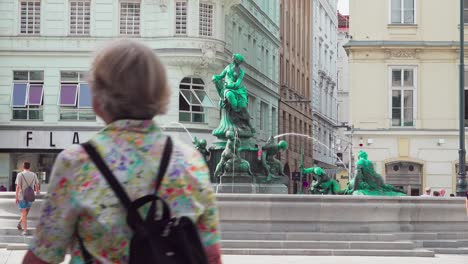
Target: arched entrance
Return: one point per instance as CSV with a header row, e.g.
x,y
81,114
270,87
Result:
x,y
405,175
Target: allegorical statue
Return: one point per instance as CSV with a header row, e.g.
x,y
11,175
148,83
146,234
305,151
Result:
x,y
231,163
200,145
368,182
324,184
272,166
234,101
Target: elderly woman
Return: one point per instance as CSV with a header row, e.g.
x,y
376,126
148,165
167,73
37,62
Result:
x,y
129,88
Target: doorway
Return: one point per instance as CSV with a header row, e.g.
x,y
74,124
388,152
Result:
x,y
405,175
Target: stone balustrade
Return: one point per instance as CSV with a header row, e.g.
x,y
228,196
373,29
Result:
x,y
309,213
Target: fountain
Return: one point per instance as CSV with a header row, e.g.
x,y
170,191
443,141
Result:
x,y
234,164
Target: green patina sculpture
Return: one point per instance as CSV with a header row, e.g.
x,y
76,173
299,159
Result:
x,y
234,101
272,166
369,182
324,184
200,145
231,163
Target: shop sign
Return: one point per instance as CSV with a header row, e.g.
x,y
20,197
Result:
x,y
34,139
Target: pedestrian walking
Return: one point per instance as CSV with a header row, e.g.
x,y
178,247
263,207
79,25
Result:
x,y
96,188
466,203
427,192
27,185
442,192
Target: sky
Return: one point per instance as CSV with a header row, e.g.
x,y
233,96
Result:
x,y
343,7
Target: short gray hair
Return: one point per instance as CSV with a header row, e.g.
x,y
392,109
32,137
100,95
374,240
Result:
x,y
129,81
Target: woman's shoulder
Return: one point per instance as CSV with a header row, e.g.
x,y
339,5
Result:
x,y
73,154
186,158
184,152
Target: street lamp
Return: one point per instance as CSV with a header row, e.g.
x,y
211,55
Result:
x,y
461,178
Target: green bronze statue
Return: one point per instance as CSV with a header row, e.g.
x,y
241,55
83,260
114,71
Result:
x,y
368,182
234,101
200,145
324,184
231,163
272,166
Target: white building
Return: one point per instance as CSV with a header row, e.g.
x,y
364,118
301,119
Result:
x,y
404,92
324,85
46,47
343,140
252,29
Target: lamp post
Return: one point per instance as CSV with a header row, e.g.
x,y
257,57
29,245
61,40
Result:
x,y
461,178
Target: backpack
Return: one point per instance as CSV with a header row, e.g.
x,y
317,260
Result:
x,y
28,194
159,238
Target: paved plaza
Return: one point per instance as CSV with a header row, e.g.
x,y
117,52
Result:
x,y
15,257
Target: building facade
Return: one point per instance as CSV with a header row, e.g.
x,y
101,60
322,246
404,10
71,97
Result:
x,y
404,90
46,47
252,29
343,140
324,82
295,113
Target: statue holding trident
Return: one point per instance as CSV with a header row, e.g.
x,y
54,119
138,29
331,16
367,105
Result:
x,y
233,94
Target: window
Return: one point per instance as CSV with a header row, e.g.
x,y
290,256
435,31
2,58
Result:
x,y
206,20
264,116
310,146
251,108
75,97
274,122
193,100
27,96
403,97
181,18
30,21
80,15
130,18
465,12
402,12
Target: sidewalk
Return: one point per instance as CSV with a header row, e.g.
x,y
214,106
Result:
x,y
15,257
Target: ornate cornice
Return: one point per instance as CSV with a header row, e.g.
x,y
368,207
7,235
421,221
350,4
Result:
x,y
402,53
163,5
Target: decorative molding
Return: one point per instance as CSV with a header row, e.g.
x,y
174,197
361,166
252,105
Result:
x,y
208,57
401,53
163,5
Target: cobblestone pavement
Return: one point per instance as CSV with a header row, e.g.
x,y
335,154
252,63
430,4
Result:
x,y
15,257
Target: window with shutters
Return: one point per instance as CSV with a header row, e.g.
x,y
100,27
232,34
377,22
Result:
x,y
181,18
129,18
206,20
30,17
80,17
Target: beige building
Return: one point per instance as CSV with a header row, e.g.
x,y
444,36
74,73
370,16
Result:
x,y
403,58
295,113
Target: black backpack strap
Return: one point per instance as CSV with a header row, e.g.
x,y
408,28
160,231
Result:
x,y
88,259
106,172
138,225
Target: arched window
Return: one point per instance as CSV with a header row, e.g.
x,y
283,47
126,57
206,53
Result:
x,y
193,100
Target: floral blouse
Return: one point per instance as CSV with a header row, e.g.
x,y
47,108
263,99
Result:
x,y
81,202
